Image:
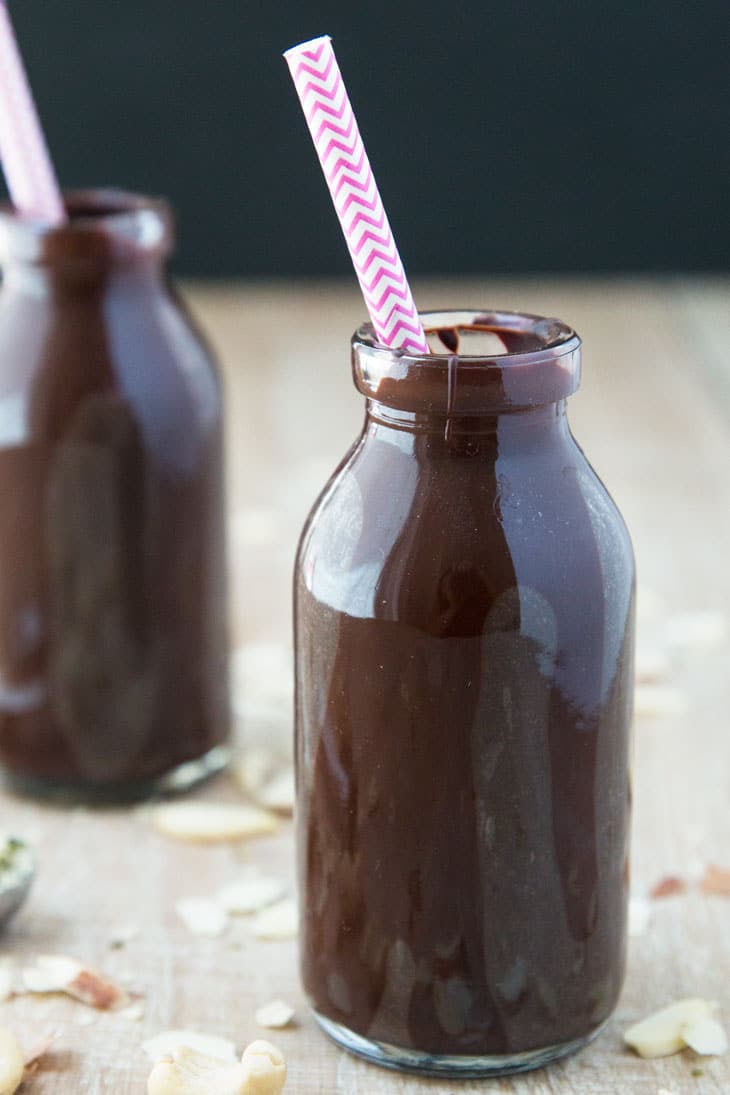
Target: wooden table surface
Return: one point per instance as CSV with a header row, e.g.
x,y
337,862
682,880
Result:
x,y
654,416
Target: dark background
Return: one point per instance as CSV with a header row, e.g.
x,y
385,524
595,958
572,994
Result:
x,y
512,136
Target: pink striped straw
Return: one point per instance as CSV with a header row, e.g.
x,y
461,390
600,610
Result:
x,y
331,122
28,170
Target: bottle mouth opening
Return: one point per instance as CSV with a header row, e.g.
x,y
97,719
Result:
x,y
481,336
119,222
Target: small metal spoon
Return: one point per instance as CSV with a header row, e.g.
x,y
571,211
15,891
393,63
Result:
x,y
17,871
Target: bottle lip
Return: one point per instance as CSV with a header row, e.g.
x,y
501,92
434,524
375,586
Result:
x,y
459,383
557,337
119,225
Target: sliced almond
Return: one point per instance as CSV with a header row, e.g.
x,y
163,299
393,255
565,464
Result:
x,y
663,1033
202,916
669,886
213,822
250,894
274,1015
51,973
168,1042
278,922
59,973
716,880
12,1063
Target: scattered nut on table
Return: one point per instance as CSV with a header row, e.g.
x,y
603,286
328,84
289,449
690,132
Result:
x,y
250,893
59,973
277,922
261,1071
12,1063
213,822
274,1015
685,1023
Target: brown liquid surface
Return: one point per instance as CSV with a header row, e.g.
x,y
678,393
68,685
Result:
x,y
464,611
112,638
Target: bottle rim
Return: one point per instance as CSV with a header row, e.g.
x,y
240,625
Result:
x,y
459,383
119,225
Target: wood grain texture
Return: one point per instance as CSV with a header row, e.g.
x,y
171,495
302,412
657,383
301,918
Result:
x,y
654,416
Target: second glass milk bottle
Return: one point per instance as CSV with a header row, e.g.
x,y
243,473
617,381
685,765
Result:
x,y
112,567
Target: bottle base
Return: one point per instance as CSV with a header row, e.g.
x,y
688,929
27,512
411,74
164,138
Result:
x,y
182,778
449,1066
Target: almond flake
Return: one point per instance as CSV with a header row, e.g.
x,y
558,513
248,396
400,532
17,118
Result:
x,y
202,916
663,1033
169,1042
57,973
669,886
716,880
278,922
706,1037
274,1015
212,822
251,894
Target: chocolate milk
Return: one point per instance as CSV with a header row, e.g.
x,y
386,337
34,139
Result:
x,y
112,598
464,637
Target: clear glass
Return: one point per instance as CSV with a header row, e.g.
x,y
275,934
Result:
x,y
112,569
464,622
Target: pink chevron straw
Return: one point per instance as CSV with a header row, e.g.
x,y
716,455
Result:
x,y
331,122
28,170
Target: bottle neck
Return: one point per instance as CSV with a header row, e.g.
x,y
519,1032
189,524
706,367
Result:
x,y
69,279
519,428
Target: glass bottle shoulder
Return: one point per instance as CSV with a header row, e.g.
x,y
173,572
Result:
x,y
404,523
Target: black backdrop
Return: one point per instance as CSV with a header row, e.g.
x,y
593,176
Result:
x,y
525,135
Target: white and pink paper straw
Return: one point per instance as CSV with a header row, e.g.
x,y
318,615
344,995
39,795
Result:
x,y
336,137
27,166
